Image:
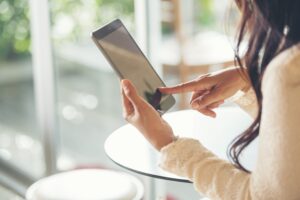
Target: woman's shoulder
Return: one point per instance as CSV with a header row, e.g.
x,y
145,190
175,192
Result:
x,y
285,67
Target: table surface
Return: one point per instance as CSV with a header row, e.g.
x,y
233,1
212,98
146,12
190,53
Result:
x,y
129,149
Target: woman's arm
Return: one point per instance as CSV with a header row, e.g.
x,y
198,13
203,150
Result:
x,y
211,176
247,101
277,172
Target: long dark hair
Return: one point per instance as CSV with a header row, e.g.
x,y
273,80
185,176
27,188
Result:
x,y
270,27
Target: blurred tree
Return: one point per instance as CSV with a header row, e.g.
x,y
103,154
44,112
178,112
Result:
x,y
14,29
71,21
78,16
205,13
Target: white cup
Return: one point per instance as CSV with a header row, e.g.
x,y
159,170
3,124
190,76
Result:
x,y
87,184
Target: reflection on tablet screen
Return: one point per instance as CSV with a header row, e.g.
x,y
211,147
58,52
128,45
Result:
x,y
154,99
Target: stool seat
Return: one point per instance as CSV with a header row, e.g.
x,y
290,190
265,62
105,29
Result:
x,y
87,184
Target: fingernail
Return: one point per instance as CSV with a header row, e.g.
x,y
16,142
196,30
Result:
x,y
125,87
161,88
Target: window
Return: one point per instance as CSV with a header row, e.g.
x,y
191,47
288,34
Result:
x,y
19,139
88,94
84,89
21,150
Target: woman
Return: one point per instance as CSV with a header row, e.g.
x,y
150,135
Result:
x,y
270,77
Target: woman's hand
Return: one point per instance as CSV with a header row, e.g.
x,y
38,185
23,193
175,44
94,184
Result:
x,y
144,117
210,90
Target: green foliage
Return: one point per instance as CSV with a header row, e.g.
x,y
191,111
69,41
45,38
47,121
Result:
x,y
83,15
205,15
124,8
14,29
71,20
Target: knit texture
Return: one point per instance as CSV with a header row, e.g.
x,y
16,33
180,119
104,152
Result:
x,y
277,171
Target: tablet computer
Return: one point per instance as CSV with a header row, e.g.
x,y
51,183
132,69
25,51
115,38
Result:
x,y
129,62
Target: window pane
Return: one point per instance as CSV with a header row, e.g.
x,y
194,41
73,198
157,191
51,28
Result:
x,y
8,195
19,139
88,90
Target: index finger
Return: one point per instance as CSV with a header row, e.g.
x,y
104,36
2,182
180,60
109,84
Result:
x,y
184,87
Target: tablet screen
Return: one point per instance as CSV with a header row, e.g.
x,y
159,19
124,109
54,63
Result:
x,y
128,60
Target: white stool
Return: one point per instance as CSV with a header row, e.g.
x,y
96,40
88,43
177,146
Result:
x,y
87,184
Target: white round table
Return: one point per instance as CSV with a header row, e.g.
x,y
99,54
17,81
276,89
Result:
x,y
129,149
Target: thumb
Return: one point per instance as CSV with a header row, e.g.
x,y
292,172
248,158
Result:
x,y
130,92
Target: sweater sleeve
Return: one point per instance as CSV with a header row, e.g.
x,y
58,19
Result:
x,y
277,171
247,101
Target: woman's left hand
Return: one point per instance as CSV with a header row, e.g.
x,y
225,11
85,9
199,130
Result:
x,y
144,117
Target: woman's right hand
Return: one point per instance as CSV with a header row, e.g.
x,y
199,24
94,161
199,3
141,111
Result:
x,y
211,90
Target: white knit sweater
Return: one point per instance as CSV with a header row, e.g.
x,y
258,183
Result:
x,y
277,172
